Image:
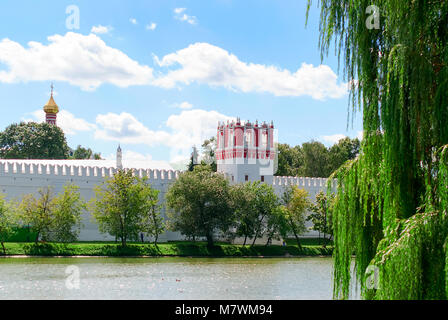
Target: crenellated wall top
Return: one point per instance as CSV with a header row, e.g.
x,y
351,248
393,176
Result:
x,y
19,168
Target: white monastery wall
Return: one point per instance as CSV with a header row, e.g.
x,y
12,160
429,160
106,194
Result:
x,y
18,179
312,185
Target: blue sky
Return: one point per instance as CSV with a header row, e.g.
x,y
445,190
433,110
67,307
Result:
x,y
156,76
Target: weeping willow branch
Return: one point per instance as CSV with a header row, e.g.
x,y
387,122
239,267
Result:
x,y
391,203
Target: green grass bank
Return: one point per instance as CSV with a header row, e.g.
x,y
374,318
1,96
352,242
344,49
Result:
x,y
175,249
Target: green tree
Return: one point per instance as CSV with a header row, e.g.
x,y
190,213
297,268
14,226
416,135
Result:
x,y
85,153
315,160
37,212
277,224
290,160
246,215
184,224
33,141
201,198
67,214
391,204
346,149
7,221
266,203
53,218
123,206
296,202
321,215
256,213
153,222
191,164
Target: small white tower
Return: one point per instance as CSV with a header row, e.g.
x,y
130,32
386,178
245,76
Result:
x,y
195,156
119,158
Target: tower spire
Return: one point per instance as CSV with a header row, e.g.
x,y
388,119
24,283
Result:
x,y
119,158
51,109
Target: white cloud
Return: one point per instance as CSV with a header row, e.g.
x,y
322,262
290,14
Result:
x,y
208,64
190,127
88,62
152,26
179,14
84,61
136,156
132,159
184,105
179,10
126,128
196,124
100,29
131,156
66,121
133,21
333,138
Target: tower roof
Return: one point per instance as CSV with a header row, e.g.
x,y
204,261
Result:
x,y
51,106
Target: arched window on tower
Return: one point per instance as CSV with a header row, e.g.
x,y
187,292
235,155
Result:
x,y
264,139
248,138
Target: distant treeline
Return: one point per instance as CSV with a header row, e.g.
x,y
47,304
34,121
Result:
x,y
31,140
313,159
200,204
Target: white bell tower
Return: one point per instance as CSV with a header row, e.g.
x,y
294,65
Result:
x,y
119,158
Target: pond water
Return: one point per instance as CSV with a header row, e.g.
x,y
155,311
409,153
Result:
x,y
166,278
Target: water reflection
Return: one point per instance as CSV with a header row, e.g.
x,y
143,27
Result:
x,y
166,278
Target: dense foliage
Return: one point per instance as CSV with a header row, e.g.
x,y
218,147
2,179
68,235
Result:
x,y
175,248
50,217
321,215
85,153
199,203
391,203
125,206
33,140
153,223
6,222
295,204
68,209
245,210
202,204
313,159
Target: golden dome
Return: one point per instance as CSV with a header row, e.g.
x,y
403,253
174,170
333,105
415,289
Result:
x,y
51,106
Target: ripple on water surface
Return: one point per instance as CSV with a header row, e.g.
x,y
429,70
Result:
x,y
165,278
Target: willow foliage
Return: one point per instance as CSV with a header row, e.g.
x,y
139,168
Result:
x,y
392,201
